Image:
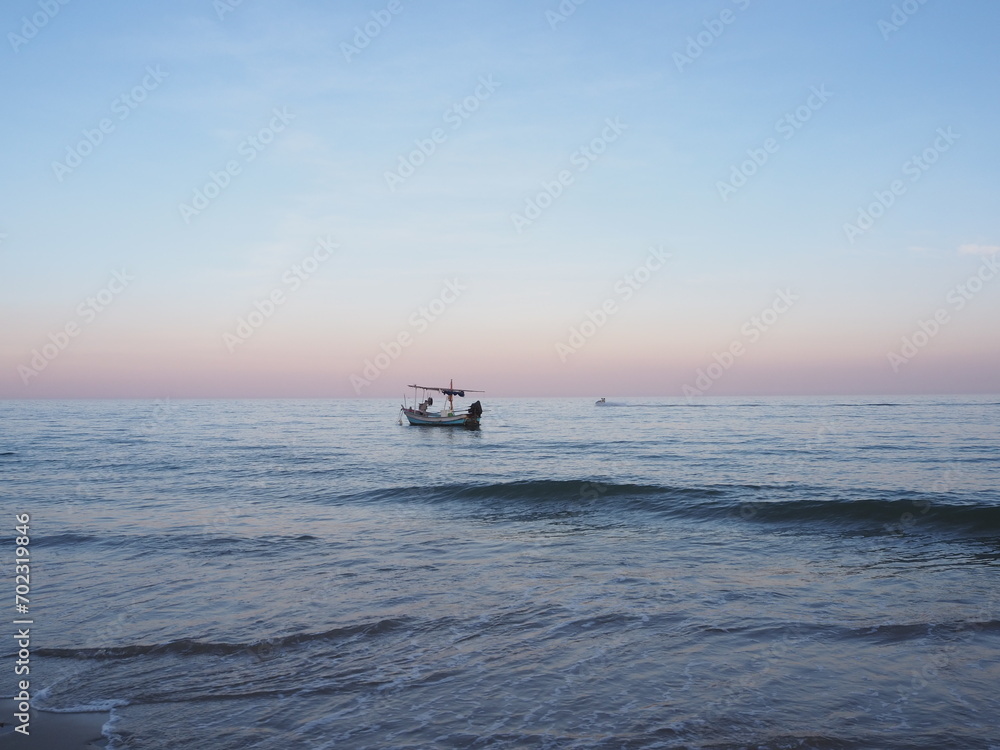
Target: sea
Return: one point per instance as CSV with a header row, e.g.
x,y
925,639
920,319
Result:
x,y
756,573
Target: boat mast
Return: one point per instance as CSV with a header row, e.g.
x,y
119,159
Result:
x,y
451,398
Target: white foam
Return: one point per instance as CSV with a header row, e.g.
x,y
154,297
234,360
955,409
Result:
x,y
109,726
87,708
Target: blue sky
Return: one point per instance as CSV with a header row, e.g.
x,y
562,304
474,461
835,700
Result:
x,y
209,84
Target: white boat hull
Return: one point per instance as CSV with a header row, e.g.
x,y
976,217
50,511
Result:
x,y
436,419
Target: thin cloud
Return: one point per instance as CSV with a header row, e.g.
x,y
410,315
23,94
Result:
x,y
978,249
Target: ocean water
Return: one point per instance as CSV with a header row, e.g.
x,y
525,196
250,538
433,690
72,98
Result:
x,y
737,573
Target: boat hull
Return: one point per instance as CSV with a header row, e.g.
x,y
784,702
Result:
x,y
424,419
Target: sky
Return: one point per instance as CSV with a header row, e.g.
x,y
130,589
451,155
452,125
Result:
x,y
207,199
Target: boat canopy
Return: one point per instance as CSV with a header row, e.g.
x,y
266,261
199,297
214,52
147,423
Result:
x,y
446,391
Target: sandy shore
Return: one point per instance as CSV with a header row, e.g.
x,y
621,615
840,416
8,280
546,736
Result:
x,y
49,731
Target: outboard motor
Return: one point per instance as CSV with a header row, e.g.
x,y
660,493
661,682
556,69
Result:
x,y
472,418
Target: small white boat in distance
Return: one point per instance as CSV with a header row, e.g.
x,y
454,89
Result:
x,y
446,416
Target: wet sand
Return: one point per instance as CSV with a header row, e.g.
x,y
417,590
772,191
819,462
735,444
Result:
x,y
51,731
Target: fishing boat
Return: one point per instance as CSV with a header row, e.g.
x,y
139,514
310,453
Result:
x,y
447,416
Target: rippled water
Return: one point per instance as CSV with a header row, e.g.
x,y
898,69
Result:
x,y
282,574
